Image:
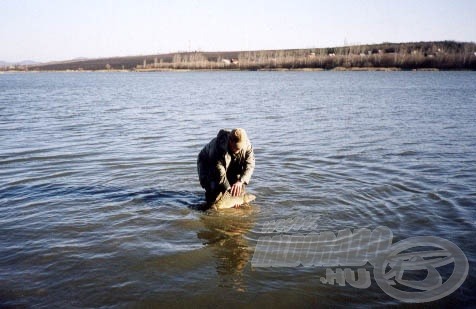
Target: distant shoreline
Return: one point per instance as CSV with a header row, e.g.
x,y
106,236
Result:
x,y
441,55
338,69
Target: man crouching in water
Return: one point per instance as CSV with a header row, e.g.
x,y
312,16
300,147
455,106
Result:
x,y
226,163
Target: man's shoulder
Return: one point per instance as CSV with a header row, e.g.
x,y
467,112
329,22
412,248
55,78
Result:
x,y
223,135
221,141
218,146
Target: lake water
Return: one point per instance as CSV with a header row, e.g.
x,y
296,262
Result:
x,y
98,183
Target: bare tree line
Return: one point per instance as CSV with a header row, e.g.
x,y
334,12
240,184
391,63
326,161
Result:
x,y
438,55
445,55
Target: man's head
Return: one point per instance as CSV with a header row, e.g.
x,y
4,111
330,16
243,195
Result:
x,y
238,140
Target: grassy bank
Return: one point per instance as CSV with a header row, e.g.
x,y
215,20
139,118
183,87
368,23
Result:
x,y
444,55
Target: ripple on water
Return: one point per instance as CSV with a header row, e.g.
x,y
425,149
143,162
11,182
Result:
x,y
98,183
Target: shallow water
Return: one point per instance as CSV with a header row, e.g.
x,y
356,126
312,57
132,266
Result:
x,y
98,184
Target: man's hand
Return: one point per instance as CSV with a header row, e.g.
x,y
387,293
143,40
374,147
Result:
x,y
237,188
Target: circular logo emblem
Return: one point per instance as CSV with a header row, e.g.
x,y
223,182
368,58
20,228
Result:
x,y
389,269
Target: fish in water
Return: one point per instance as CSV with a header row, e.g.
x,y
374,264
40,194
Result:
x,y
226,200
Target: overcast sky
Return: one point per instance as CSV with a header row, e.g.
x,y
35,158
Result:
x,y
48,30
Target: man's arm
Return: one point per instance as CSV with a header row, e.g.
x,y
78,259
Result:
x,y
249,165
220,172
202,167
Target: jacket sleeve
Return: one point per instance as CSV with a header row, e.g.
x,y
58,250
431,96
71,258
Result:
x,y
218,153
249,165
202,167
220,172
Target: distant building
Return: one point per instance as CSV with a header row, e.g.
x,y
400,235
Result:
x,y
230,61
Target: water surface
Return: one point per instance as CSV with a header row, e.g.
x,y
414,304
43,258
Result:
x,y
98,183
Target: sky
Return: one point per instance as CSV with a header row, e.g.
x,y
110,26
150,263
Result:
x,y
54,30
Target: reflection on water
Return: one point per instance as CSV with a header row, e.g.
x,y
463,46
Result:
x,y
224,234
